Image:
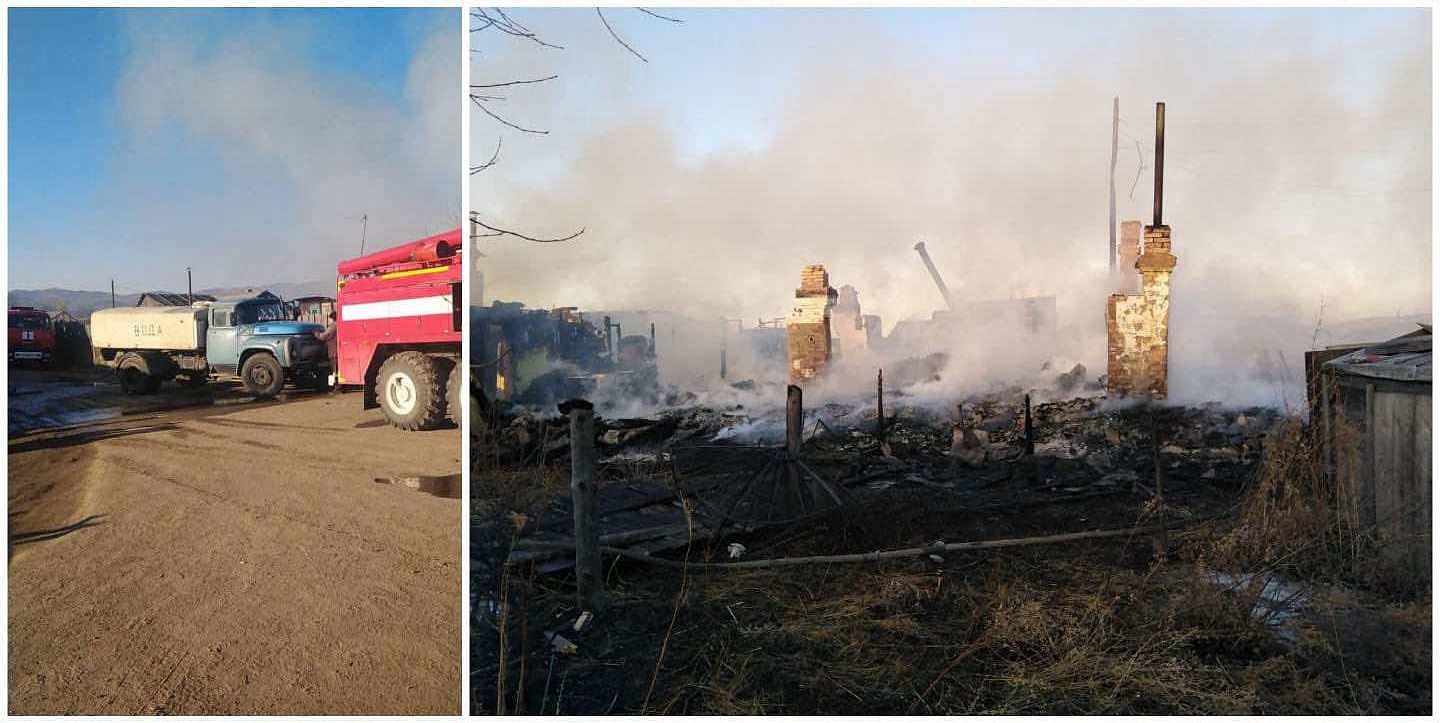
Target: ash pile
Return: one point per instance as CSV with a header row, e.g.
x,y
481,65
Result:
x,y
724,465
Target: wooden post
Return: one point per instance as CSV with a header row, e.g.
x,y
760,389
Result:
x,y
794,427
724,345
1162,537
588,578
880,405
1029,430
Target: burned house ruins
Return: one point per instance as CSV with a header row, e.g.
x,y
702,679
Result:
x,y
1137,325
807,326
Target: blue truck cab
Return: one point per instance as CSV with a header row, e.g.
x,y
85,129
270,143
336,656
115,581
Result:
x,y
259,341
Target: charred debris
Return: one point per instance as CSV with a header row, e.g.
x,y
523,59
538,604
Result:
x,y
798,515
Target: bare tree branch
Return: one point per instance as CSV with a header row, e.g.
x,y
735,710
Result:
x,y
493,158
477,86
506,25
654,14
487,111
622,43
497,19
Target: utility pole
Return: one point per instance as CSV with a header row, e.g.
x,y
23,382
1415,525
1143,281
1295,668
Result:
x,y
1114,156
112,293
189,287
364,222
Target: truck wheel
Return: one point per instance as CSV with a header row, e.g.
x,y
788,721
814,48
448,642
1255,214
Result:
x,y
453,391
135,380
318,382
262,375
410,387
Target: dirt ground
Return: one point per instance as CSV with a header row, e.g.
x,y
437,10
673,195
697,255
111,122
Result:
x,y
232,557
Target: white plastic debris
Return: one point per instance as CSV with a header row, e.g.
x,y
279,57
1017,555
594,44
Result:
x,y
561,645
736,550
581,621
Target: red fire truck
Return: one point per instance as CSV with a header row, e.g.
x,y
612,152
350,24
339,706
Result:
x,y
32,335
398,316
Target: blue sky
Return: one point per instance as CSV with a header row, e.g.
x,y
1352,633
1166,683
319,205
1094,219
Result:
x,y
121,164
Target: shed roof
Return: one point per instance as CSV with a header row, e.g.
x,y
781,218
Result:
x,y
170,298
1405,358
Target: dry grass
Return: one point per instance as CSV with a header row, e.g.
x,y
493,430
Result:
x,y
1089,628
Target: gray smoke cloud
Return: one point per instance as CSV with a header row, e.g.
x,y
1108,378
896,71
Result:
x,y
300,151
1297,170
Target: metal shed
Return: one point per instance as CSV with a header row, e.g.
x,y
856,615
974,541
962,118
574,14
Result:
x,y
169,298
1378,436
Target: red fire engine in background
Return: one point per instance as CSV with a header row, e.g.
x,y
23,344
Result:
x,y
398,316
32,335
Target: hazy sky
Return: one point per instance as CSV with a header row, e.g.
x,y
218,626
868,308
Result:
x,y
245,143
1298,163
1299,141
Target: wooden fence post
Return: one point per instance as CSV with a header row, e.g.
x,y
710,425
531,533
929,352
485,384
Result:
x,y
1029,430
588,572
794,428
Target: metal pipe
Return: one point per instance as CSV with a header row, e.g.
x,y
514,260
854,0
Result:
x,y
1159,160
935,274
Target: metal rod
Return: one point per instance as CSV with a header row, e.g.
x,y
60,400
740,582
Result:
x,y
935,275
189,287
1114,157
1159,160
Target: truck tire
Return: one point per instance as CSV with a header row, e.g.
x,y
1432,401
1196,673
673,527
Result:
x,y
318,382
262,375
411,390
135,377
453,390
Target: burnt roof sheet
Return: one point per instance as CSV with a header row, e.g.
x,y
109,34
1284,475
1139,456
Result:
x,y
1405,358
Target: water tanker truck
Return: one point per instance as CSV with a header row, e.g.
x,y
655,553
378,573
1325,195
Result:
x,y
398,330
256,340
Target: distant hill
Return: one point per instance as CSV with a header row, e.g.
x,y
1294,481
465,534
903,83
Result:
x,y
80,304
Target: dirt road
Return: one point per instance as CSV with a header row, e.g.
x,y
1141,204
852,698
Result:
x,y
235,559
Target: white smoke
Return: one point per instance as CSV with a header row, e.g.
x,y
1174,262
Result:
x,y
1297,168
299,152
